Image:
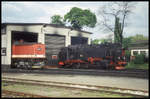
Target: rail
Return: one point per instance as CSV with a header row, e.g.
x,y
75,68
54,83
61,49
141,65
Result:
x,y
112,90
120,73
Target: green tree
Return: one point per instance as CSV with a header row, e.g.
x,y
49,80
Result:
x,y
126,42
57,19
80,18
95,41
115,11
139,59
98,41
138,37
117,31
131,39
104,40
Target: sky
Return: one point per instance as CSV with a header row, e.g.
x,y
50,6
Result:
x,y
41,12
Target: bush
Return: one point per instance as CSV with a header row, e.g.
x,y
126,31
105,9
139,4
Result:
x,y
131,65
139,59
146,59
127,55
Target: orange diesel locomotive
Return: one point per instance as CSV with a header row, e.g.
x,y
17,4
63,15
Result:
x,y
28,55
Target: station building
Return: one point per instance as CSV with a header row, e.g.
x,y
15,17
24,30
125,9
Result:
x,y
139,47
53,36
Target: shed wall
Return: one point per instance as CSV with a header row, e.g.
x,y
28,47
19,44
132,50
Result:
x,y
6,39
66,32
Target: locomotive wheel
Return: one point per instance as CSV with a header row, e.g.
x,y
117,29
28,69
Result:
x,y
104,64
18,66
86,66
76,66
21,67
14,65
111,68
28,66
25,66
67,66
97,64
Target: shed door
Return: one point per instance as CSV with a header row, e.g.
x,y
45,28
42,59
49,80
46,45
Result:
x,y
79,40
53,45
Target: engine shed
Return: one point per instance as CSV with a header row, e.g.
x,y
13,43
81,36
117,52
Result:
x,y
53,36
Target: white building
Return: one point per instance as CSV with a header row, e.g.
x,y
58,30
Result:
x,y
140,47
53,36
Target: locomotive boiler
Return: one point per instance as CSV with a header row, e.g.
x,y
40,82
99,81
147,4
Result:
x,y
103,56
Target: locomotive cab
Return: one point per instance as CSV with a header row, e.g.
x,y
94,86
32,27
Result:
x,y
120,59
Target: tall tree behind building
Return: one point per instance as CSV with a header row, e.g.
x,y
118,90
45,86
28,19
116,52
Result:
x,y
113,16
117,31
57,19
78,18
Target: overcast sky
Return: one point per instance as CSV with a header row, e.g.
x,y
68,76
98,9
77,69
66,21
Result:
x,y
40,12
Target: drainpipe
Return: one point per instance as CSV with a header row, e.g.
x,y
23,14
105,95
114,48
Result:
x,y
42,33
67,47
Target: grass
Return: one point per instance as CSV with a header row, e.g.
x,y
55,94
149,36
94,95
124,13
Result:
x,y
131,65
55,91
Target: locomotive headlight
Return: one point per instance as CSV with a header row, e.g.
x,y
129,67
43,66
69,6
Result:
x,y
124,57
39,49
81,55
118,57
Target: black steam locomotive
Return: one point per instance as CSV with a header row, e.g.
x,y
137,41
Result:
x,y
103,56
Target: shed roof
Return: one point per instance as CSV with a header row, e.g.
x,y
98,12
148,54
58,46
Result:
x,y
140,44
53,25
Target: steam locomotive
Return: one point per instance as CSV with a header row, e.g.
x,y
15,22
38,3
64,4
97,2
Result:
x,y
103,56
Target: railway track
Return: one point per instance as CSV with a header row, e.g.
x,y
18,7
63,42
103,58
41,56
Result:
x,y
137,73
111,90
14,94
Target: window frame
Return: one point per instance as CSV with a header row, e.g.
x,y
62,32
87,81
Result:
x,y
3,30
135,52
3,53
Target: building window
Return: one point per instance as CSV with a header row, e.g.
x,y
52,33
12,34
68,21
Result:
x,y
54,56
79,40
3,51
143,52
3,30
135,53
